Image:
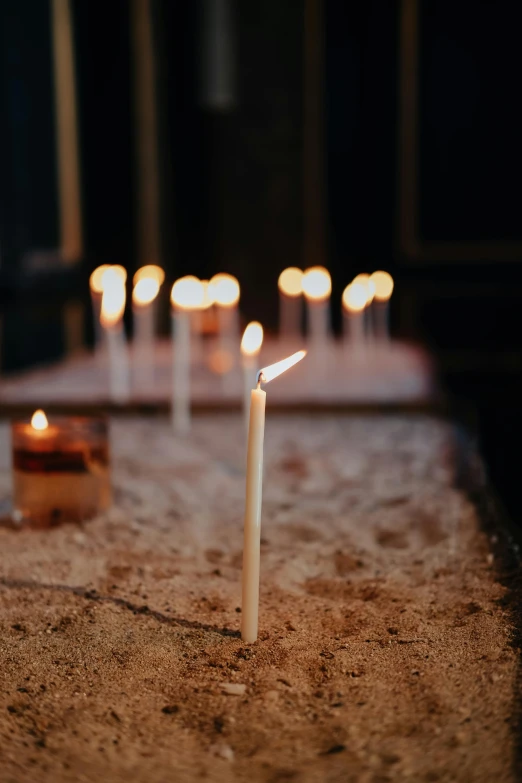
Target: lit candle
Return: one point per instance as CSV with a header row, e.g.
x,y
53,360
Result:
x,y
60,469
224,292
383,283
111,319
186,296
365,280
290,286
250,347
254,487
147,282
95,285
354,303
317,287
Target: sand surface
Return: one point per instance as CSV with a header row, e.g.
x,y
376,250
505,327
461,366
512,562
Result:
x,y
387,646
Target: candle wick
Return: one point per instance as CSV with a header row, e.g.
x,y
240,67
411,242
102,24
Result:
x,y
260,379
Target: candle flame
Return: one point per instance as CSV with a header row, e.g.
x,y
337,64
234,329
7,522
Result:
x,y
145,291
252,339
291,281
383,282
113,299
39,421
317,283
150,271
188,293
365,280
273,370
208,300
355,297
96,278
224,290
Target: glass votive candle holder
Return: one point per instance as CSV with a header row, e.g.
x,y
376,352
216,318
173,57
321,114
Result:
x,y
61,469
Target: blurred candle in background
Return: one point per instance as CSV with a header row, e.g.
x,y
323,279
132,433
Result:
x,y
96,287
224,291
187,295
354,301
250,347
383,283
365,280
147,282
290,286
317,287
111,319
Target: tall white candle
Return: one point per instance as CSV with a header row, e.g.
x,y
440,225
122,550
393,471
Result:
x,y
383,283
224,291
96,288
317,287
186,296
250,347
354,304
144,299
290,286
254,490
111,318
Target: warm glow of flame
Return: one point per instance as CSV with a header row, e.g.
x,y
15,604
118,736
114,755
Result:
x,y
252,339
355,297
273,370
365,280
149,271
291,281
145,291
113,299
224,290
188,293
317,283
39,421
383,285
96,278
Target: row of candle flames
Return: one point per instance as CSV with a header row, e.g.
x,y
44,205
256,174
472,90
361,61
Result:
x,y
223,289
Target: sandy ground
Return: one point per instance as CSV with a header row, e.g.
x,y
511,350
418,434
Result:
x,y
386,649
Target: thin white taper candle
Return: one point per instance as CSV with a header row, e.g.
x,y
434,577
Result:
x,y
252,530
181,371
144,319
118,363
290,311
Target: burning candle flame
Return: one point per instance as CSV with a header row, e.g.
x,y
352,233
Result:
x,y
224,290
96,278
39,421
188,293
355,297
273,370
291,281
252,339
383,282
208,300
150,271
365,280
145,291
113,299
317,283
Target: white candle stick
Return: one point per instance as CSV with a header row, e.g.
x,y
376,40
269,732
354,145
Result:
x,y
96,288
383,283
354,305
250,347
144,298
186,296
224,292
111,318
317,287
290,286
254,488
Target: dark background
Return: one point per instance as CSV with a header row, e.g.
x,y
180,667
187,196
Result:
x,y
443,214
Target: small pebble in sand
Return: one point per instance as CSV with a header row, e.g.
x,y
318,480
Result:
x,y
222,751
233,688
